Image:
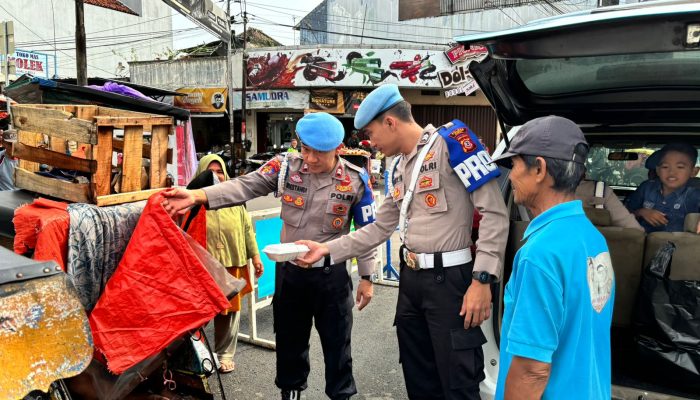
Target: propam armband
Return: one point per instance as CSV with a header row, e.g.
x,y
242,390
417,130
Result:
x,y
468,157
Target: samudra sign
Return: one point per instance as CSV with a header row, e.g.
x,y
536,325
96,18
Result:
x,y
260,99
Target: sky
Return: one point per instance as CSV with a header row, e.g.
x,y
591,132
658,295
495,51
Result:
x,y
262,14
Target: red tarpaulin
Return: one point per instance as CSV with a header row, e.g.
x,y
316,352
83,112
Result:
x,y
160,290
43,227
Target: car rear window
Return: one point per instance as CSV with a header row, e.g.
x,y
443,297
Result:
x,y
570,75
629,173
618,173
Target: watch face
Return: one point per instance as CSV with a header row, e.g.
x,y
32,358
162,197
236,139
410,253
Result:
x,y
484,277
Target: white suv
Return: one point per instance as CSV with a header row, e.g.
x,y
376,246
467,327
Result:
x,y
630,77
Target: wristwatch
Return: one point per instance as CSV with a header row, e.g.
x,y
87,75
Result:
x,y
484,277
366,277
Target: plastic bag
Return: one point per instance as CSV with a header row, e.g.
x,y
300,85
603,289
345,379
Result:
x,y
667,319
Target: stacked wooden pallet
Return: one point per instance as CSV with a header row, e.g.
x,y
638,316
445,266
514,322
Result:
x,y
100,132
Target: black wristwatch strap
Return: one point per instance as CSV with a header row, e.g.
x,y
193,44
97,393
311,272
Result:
x,y
366,277
484,277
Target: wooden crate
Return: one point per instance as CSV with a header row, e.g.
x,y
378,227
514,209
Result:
x,y
93,128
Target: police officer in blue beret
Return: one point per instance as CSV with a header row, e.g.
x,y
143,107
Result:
x,y
321,193
437,180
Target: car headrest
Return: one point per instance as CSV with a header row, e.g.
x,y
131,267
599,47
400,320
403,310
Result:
x,y
598,216
691,222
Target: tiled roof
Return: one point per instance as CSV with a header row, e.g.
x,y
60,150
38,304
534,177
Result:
x,y
115,5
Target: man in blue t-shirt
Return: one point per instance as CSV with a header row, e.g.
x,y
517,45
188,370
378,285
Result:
x,y
555,336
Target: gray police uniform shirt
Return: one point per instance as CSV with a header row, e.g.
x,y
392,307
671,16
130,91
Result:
x,y
619,214
440,215
315,207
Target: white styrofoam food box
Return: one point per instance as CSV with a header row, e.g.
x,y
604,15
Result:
x,y
285,251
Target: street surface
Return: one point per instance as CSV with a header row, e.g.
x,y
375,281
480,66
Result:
x,y
375,353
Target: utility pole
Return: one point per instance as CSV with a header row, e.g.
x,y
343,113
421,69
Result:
x,y
229,90
244,74
7,47
80,45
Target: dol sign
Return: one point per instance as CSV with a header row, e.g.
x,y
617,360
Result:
x,y
457,79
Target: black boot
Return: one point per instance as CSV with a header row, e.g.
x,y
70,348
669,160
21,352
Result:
x,y
291,394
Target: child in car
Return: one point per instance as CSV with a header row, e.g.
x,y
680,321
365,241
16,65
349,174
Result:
x,y
663,203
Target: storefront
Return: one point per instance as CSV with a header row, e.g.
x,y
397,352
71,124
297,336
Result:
x,y
272,115
434,80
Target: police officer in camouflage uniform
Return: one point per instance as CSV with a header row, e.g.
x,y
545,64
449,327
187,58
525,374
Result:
x,y
436,181
320,194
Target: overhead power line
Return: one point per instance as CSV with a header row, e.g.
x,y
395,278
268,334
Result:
x,y
353,35
265,21
45,41
130,36
380,22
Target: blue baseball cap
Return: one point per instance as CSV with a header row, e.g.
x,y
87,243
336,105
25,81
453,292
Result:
x,y
320,131
380,100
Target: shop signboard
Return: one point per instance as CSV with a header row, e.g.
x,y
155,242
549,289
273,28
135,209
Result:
x,y
327,100
457,80
278,98
31,62
202,100
348,67
459,53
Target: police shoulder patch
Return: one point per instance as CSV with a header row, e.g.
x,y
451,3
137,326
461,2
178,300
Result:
x,y
271,167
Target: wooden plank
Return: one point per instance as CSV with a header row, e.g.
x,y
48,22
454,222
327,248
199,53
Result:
x,y
119,146
52,158
133,154
159,155
116,112
77,192
127,121
102,178
121,198
53,123
32,139
86,113
57,144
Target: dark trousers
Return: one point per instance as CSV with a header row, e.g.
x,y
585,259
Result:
x,y
322,296
440,359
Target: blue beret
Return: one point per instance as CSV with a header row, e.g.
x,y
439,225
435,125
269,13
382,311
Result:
x,y
380,100
320,131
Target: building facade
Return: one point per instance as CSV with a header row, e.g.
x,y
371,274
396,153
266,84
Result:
x,y
284,83
422,22
45,36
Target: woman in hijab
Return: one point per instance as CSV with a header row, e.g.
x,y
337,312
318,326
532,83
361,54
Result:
x,y
231,240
